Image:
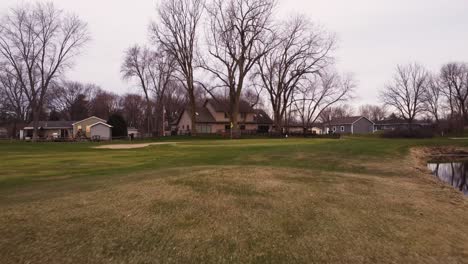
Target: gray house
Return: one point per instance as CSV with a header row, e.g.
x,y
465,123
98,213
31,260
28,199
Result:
x,y
350,125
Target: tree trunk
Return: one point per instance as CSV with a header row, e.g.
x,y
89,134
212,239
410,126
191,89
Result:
x,y
35,111
278,122
193,109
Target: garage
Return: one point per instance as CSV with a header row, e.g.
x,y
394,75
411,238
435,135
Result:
x,y
101,131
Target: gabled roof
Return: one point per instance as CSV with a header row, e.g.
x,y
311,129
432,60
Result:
x,y
202,115
261,117
51,124
222,105
76,122
101,123
347,120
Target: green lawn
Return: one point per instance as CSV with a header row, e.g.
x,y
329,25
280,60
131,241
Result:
x,y
353,200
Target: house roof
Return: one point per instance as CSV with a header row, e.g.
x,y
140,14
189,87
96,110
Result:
x,y
347,120
261,117
51,124
76,122
222,105
101,123
202,115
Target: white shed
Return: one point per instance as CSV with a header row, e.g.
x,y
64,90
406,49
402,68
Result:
x,y
101,131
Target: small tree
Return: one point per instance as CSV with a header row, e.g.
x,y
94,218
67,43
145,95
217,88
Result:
x,y
119,126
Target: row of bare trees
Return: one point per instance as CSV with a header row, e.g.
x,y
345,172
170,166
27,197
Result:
x,y
443,95
245,53
37,45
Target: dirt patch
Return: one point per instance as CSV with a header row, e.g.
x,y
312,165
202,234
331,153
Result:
x,y
132,146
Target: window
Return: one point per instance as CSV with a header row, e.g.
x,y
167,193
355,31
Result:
x,y
188,127
79,128
204,129
334,129
226,115
242,127
227,127
342,128
88,129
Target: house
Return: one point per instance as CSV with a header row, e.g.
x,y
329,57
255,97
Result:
x,y
398,123
212,117
294,127
133,132
92,128
350,125
3,132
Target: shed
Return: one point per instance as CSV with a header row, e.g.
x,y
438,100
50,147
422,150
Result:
x,y
101,131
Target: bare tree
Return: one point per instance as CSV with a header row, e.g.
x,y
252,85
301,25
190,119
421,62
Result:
x,y
132,112
302,50
334,112
161,73
138,64
176,33
454,84
38,43
237,38
406,93
319,93
432,98
70,98
373,112
12,93
103,104
174,101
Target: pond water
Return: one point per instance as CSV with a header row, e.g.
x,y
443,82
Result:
x,y
453,173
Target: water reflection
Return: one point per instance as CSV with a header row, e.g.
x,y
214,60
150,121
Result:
x,y
454,173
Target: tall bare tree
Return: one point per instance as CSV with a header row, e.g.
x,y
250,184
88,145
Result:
x,y
432,98
138,64
302,50
162,70
406,92
38,42
319,93
454,84
176,32
237,37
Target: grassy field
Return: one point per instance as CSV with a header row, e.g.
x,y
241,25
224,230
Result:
x,y
353,200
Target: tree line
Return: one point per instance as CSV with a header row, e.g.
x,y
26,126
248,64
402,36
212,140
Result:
x,y
228,50
439,96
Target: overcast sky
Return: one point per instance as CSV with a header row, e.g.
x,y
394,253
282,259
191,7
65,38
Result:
x,y
374,36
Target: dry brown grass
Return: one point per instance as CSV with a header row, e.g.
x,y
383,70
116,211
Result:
x,y
241,215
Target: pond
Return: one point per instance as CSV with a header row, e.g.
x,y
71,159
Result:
x,y
453,173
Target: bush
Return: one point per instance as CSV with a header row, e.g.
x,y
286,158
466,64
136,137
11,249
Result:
x,y
406,133
119,126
